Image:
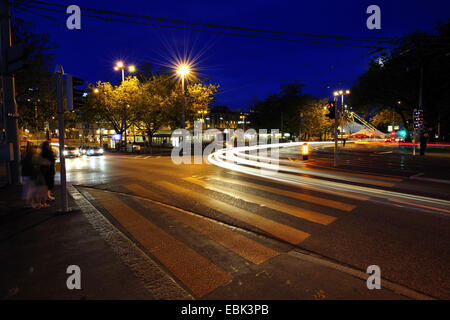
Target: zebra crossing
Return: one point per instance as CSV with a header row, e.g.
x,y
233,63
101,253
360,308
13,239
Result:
x,y
204,254
137,157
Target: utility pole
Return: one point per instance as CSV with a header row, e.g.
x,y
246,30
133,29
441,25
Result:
x,y
182,103
9,101
60,110
335,133
417,130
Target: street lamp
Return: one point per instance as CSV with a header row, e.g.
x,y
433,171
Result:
x,y
131,68
202,112
336,95
242,116
121,66
182,70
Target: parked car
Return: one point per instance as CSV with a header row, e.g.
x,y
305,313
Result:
x,y
71,152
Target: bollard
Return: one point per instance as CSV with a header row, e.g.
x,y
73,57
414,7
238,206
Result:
x,y
305,151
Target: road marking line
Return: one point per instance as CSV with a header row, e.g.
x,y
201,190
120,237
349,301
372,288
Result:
x,y
364,175
196,272
301,196
281,231
345,194
416,175
275,205
239,244
147,157
366,179
420,205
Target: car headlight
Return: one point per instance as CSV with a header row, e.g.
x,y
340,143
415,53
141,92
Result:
x,y
101,150
65,152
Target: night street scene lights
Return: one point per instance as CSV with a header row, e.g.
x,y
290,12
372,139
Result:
x,y
183,70
341,93
120,65
203,113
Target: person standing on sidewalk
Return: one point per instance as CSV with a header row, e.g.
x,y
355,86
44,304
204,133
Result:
x,y
48,171
40,189
28,174
423,142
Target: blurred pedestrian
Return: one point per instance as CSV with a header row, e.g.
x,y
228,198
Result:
x,y
28,174
423,142
48,167
40,189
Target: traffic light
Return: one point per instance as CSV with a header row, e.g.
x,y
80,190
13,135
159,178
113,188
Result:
x,y
75,97
418,118
331,109
402,133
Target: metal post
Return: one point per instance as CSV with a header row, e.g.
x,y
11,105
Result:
x,y
9,101
62,160
125,126
182,103
335,133
420,108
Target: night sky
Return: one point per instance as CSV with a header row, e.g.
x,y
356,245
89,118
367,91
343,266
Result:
x,y
245,68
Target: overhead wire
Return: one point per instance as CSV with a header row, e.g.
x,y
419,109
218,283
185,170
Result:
x,y
99,14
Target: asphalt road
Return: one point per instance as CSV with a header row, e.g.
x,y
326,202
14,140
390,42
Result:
x,y
272,227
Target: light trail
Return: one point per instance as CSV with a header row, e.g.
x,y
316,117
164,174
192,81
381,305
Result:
x,y
273,169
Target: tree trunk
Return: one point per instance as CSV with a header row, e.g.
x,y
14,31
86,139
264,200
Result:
x,y
150,141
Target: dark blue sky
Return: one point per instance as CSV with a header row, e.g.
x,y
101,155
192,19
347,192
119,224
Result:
x,y
237,63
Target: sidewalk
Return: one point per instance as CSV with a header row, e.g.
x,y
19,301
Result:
x,y
37,246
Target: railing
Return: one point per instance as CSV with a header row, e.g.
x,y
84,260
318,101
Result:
x,y
363,122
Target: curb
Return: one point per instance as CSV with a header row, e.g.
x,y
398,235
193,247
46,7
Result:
x,y
396,288
154,279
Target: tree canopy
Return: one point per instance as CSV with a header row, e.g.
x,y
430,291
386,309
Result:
x,y
150,101
34,83
291,111
393,80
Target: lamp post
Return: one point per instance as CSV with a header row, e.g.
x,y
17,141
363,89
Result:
x,y
242,116
182,70
336,94
131,68
121,66
203,112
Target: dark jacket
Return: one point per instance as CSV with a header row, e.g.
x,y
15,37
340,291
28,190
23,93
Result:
x,y
48,171
28,169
